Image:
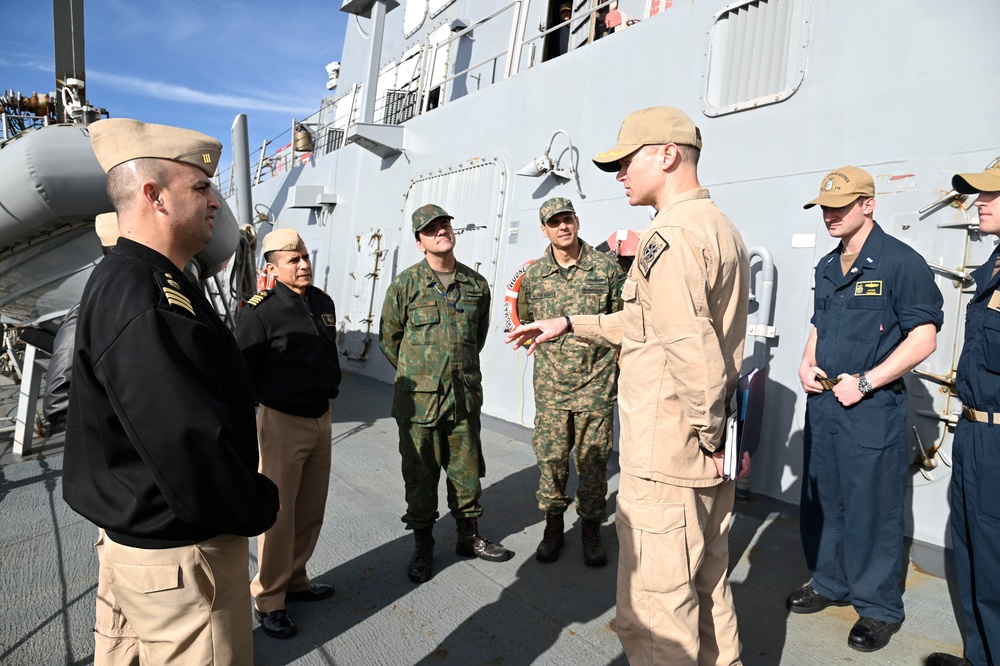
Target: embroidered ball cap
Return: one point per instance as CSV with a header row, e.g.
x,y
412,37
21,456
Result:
x,y
106,226
281,239
843,186
650,127
554,206
426,214
973,183
118,140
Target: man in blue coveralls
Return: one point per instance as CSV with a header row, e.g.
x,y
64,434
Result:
x,y
877,313
975,472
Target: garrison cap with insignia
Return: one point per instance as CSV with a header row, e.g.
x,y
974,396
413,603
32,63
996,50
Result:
x,y
119,140
554,206
426,214
281,239
655,126
973,183
843,186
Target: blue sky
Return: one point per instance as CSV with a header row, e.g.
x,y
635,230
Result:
x,y
185,63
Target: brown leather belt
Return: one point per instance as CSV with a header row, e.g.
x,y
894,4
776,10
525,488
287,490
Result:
x,y
977,416
829,382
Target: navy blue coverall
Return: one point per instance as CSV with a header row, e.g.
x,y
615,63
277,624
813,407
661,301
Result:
x,y
975,473
856,463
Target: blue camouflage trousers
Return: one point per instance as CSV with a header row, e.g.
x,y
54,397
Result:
x,y
589,435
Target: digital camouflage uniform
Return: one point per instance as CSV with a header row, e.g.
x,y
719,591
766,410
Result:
x,y
433,336
576,384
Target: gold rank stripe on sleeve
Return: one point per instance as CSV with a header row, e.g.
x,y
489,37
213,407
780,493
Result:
x,y
175,297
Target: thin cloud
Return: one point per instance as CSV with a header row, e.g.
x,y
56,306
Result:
x,y
174,93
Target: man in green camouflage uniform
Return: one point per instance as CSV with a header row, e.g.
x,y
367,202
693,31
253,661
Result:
x,y
576,384
434,324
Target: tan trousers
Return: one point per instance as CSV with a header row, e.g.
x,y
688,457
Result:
x,y
674,602
173,606
295,454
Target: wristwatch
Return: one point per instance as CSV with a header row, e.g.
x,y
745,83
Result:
x,y
569,323
864,385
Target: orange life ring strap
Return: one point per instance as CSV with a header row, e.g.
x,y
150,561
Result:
x,y
510,298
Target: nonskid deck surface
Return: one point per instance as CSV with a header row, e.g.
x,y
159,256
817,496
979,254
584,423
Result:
x,y
470,612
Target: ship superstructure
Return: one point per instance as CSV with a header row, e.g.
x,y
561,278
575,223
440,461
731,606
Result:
x,y
488,108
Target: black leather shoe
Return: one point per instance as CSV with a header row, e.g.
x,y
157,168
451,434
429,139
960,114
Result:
x,y
870,634
316,592
807,600
277,624
943,659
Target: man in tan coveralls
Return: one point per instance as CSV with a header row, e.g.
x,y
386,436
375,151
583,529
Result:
x,y
681,338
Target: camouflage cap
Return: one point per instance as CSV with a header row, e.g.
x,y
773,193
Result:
x,y
427,214
554,206
106,226
843,186
281,239
973,183
655,126
118,140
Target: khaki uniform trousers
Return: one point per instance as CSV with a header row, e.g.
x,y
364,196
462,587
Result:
x,y
295,454
184,605
674,602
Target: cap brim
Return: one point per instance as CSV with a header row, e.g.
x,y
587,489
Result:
x,y
556,212
430,222
974,183
833,200
610,160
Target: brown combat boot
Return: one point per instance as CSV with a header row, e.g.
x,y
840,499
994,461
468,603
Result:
x,y
419,569
470,544
553,538
594,554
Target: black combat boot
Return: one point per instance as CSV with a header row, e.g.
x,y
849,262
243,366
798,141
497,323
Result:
x,y
553,538
594,554
419,569
470,544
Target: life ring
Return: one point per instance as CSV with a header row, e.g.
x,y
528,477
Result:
x,y
510,298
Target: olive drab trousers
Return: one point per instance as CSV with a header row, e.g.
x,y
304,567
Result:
x,y
294,453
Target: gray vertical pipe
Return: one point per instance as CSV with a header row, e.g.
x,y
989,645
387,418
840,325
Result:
x,y
241,170
371,76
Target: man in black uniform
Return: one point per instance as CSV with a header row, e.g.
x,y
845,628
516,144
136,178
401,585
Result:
x,y
289,342
160,448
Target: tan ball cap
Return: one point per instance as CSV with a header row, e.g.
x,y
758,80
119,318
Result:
x,y
106,226
843,186
118,140
281,239
973,183
650,127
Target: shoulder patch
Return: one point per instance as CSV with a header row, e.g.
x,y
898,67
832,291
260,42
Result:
x,y
256,299
651,252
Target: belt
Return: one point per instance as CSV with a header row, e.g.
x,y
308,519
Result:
x,y
829,382
977,416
